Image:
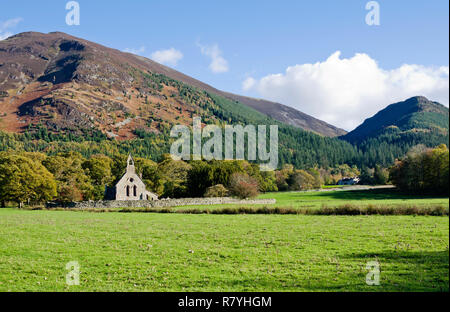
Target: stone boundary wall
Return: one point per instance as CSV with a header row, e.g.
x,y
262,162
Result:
x,y
160,203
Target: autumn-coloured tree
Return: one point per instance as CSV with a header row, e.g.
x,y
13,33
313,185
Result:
x,y
25,180
216,191
98,168
423,172
69,173
301,180
243,186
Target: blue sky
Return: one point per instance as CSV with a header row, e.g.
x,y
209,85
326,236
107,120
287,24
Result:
x,y
256,39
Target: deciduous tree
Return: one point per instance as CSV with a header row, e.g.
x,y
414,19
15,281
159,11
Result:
x,y
25,180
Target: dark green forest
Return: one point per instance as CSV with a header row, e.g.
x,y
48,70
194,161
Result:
x,y
378,141
393,131
70,167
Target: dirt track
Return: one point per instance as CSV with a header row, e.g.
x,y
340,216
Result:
x,y
353,188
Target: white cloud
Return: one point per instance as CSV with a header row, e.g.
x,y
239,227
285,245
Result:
x,y
168,57
4,26
218,63
4,35
248,83
139,51
345,91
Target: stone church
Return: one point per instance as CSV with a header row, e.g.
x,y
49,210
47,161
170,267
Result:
x,y
130,186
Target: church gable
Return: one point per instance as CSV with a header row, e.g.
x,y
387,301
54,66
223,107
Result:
x,y
131,186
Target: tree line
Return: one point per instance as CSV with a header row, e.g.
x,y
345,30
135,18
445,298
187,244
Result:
x,y
423,171
34,177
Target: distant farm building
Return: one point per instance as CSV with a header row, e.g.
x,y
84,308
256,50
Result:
x,y
348,181
130,186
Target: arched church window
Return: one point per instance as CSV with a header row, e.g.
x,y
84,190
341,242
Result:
x,y
135,190
128,191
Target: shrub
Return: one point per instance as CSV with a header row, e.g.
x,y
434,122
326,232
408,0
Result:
x,y
243,186
301,180
216,191
69,193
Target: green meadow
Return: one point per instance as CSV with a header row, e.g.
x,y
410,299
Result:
x,y
205,252
381,197
336,198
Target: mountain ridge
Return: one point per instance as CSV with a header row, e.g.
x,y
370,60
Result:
x,y
59,93
45,67
397,128
405,115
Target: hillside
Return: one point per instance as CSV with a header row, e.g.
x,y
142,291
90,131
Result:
x,y
289,115
414,114
391,132
60,93
72,84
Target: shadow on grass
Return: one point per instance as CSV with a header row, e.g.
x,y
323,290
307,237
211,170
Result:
x,y
374,194
410,270
441,257
401,271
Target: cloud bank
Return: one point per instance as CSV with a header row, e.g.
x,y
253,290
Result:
x,y
169,57
4,26
218,63
345,91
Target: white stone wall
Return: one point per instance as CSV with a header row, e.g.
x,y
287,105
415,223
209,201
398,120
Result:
x,y
165,203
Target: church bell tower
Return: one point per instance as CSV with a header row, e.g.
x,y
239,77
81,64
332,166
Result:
x,y
130,164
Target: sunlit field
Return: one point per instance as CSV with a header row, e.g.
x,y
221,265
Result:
x,y
184,252
336,198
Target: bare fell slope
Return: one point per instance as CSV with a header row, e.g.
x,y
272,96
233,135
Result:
x,y
63,82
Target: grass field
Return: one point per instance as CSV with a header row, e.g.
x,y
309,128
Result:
x,y
317,199
178,252
358,197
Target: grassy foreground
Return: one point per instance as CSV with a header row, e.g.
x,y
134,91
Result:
x,y
177,252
